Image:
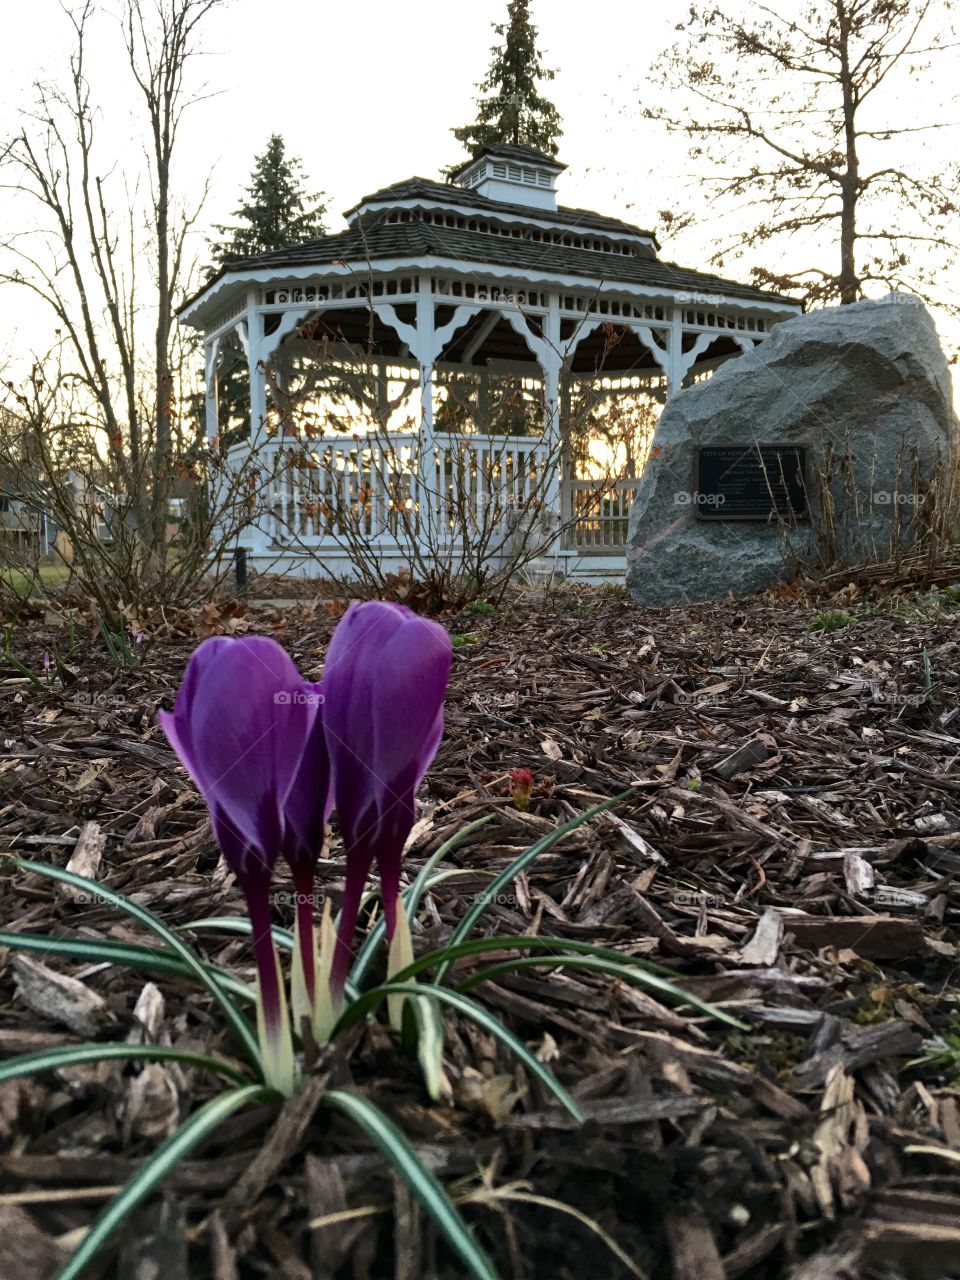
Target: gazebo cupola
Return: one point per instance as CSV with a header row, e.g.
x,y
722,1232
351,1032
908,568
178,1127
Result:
x,y
513,174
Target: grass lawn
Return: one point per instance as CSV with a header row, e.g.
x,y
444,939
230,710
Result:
x,y
23,582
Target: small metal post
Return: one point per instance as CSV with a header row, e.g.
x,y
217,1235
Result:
x,y
240,568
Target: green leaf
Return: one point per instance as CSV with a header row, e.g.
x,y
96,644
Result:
x,y
519,864
596,964
239,1024
200,1125
370,999
411,898
75,1055
108,641
635,969
129,954
429,1023
421,1182
525,942
24,671
236,924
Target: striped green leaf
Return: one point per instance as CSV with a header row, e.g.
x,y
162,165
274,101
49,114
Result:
x,y
597,964
510,873
235,924
128,954
201,1124
370,999
76,1055
429,1023
238,1023
421,1182
635,969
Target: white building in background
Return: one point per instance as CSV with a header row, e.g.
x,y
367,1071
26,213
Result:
x,y
447,289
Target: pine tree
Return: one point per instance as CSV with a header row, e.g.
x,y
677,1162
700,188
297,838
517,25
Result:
x,y
277,212
509,108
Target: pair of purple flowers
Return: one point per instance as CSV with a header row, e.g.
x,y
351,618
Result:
x,y
273,755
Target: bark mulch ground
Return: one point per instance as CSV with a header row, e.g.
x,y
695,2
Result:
x,y
791,850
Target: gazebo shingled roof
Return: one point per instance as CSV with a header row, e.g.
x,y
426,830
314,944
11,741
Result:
x,y
511,151
379,239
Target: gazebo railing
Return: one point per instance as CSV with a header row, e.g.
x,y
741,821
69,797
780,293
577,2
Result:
x,y
322,483
597,514
318,492
385,488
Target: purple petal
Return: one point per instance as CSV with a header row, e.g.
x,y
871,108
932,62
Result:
x,y
239,727
384,682
310,798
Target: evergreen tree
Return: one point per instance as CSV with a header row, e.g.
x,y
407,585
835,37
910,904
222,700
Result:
x,y
509,108
277,212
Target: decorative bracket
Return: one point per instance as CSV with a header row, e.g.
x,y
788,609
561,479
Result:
x,y
643,332
287,324
415,341
405,332
442,336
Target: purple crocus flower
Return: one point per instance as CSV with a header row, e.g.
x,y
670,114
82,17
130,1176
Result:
x,y
384,682
239,725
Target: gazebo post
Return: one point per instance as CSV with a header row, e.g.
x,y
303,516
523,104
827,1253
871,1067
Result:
x,y
258,376
675,352
425,341
552,366
212,404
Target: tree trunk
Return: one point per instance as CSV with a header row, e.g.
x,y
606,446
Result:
x,y
849,281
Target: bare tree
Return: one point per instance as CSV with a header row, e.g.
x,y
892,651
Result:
x,y
87,262
53,462
159,48
794,112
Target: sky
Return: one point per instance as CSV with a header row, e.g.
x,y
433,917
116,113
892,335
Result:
x,y
366,93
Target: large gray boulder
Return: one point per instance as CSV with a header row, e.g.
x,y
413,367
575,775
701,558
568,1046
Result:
x,y
867,381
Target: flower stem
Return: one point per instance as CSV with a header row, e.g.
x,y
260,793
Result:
x,y
303,886
273,1024
356,878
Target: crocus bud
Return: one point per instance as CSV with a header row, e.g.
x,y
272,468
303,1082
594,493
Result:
x,y
384,681
521,784
240,728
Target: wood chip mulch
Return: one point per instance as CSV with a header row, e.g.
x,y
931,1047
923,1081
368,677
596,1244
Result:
x,y
791,850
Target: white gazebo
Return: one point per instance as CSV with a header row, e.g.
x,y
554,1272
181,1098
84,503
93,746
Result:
x,y
434,295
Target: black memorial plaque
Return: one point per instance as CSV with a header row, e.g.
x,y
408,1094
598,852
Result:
x,y
751,482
